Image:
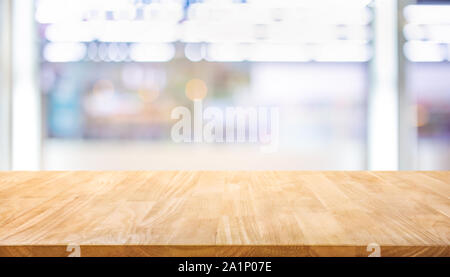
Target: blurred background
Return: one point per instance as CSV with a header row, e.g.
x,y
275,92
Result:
x,y
90,84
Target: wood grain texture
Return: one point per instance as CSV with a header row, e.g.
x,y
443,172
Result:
x,y
224,213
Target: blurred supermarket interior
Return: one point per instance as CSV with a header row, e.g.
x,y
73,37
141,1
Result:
x,y
90,84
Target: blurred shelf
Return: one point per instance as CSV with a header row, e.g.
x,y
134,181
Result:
x,y
98,154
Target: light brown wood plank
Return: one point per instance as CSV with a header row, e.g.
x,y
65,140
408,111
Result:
x,y
224,213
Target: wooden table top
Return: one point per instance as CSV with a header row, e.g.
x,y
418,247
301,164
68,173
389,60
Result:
x,y
225,213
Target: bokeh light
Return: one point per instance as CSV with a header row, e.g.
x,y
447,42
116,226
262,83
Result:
x,y
196,89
